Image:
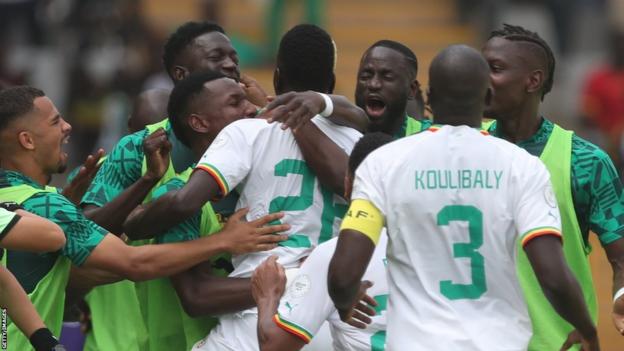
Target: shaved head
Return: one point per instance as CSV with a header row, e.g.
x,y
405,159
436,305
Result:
x,y
459,84
149,107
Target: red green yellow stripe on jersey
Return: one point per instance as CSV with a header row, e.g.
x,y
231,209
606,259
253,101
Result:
x,y
435,128
292,328
218,177
537,232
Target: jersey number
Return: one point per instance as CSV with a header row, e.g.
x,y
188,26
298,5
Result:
x,y
474,217
303,201
378,340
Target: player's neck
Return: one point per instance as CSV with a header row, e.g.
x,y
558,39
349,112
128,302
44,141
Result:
x,y
520,125
473,122
28,168
200,145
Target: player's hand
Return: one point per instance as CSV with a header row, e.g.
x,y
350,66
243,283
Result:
x,y
255,94
157,149
268,281
358,314
76,189
293,109
241,237
587,344
618,314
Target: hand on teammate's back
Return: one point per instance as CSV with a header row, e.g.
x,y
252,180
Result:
x,y
157,149
358,315
242,237
587,344
268,281
293,109
76,189
618,314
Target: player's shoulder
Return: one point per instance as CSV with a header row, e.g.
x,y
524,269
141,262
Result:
x,y
247,128
49,204
133,140
328,126
585,152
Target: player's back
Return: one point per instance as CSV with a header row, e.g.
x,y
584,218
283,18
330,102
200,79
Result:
x,y
450,198
280,180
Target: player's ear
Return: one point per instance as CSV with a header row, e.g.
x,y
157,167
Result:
x,y
535,81
180,72
26,140
198,124
414,89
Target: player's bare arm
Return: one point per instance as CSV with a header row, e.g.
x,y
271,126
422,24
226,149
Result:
x,y
327,159
268,283
295,109
21,310
112,215
353,253
615,255
172,208
561,288
138,263
203,293
33,233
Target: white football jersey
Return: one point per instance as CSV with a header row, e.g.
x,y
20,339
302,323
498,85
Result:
x,y
456,203
306,304
266,166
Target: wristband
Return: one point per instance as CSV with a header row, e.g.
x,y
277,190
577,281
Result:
x,y
618,294
43,340
329,106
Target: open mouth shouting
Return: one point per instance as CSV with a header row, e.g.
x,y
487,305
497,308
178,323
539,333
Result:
x,y
375,106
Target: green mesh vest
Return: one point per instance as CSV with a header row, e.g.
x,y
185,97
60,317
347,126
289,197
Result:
x,y
48,297
550,330
170,328
117,323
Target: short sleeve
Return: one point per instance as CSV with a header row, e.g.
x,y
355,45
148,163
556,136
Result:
x,y
536,212
229,157
306,305
185,231
368,183
82,235
606,212
120,169
7,220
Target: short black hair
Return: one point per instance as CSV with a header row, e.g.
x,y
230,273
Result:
x,y
367,144
181,97
306,58
182,37
16,102
518,33
408,54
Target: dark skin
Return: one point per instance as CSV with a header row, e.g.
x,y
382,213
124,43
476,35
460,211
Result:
x,y
201,292
149,107
112,215
385,77
210,51
268,284
517,76
545,253
385,82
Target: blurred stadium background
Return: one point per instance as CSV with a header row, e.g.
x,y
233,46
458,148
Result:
x,y
93,56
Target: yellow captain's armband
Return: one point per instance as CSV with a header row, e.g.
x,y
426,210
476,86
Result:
x,y
364,217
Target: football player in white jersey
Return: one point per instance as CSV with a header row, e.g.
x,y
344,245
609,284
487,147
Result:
x,y
456,203
290,323
265,164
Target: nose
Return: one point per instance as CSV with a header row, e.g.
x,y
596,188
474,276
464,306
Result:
x,y
250,110
230,68
67,128
374,83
